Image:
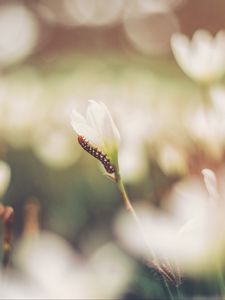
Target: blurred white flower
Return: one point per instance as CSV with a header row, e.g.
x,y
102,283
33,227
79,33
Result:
x,y
206,126
147,7
133,162
210,183
98,128
54,271
202,58
150,33
137,126
94,13
55,147
190,234
22,109
172,160
5,175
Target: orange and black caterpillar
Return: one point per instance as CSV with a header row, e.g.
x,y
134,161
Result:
x,y
97,154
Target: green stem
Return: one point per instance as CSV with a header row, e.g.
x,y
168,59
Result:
x,y
179,294
131,210
168,289
220,278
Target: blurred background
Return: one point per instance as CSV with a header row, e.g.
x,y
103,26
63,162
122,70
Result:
x,y
54,56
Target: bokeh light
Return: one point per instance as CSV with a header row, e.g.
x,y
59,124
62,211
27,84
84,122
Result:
x,y
19,33
151,33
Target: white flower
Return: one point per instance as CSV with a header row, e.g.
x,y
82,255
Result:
x,y
98,128
55,271
206,126
4,177
202,58
172,159
190,234
55,147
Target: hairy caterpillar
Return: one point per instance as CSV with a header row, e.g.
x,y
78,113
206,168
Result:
x,y
97,154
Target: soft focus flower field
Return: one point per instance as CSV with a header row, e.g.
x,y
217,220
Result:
x,y
112,149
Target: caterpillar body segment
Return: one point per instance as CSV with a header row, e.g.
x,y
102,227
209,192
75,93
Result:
x,y
97,154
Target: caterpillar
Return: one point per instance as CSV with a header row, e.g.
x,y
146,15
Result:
x,y
97,154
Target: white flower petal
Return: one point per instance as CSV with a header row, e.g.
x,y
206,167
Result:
x,y
77,118
180,45
5,175
98,127
110,131
201,38
219,50
181,49
81,127
220,38
95,115
88,132
210,183
202,59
